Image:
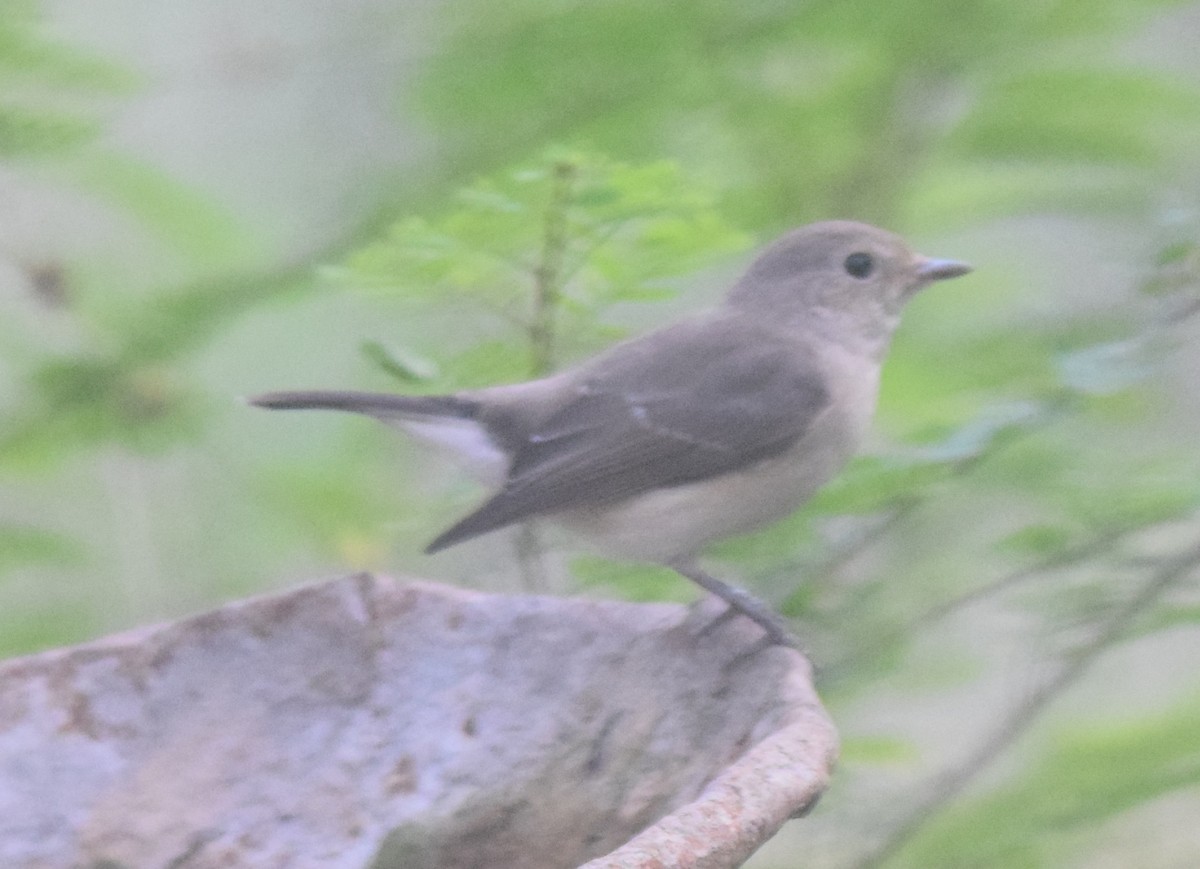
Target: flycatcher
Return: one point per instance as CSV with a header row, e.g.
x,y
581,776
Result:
x,y
713,426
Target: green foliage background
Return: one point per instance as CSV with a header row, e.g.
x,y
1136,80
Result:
x,y
1001,596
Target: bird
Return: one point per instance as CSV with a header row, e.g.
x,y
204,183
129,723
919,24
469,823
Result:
x,y
709,427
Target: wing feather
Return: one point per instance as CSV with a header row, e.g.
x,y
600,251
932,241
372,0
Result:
x,y
688,407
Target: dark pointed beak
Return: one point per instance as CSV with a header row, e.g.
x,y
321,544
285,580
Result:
x,y
940,269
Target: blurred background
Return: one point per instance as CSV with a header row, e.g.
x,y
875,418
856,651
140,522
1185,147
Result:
x,y
204,199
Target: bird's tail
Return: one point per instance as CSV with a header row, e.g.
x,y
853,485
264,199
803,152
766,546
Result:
x,y
380,405
449,422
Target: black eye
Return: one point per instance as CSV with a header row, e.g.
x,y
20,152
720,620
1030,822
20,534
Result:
x,y
859,265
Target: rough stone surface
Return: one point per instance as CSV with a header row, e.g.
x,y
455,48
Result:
x,y
367,723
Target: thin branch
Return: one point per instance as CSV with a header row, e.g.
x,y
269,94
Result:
x,y
953,782
547,275
611,229
907,504
1098,545
547,292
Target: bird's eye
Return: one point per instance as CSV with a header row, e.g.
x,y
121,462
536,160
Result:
x,y
859,265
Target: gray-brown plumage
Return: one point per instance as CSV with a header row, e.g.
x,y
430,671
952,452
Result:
x,y
706,428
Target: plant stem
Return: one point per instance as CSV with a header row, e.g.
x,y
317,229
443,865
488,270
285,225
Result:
x,y
548,274
548,279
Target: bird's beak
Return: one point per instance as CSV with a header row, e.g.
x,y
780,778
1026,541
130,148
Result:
x,y
940,269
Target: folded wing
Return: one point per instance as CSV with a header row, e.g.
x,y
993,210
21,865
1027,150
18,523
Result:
x,y
693,404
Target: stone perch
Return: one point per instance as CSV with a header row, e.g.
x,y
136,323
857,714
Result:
x,y
364,723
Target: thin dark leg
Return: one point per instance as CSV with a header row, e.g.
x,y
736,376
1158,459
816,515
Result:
x,y
743,602
724,616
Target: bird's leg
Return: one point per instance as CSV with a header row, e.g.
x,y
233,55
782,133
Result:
x,y
740,601
531,562
725,615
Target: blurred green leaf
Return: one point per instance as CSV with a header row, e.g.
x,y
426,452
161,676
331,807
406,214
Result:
x,y
403,364
877,750
822,108
1169,616
638,582
554,244
189,223
1066,114
41,112
27,55
340,509
45,626
484,364
1038,540
1081,778
1177,270
1103,369
985,432
86,402
1177,252
25,547
972,191
872,483
25,133
1137,497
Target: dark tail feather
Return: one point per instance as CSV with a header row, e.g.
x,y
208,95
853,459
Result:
x,y
486,518
375,404
384,406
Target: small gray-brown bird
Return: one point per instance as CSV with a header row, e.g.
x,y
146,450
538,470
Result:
x,y
713,426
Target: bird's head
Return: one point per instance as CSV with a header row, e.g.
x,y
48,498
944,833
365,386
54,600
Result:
x,y
847,279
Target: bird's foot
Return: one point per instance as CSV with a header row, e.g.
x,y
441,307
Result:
x,y
741,602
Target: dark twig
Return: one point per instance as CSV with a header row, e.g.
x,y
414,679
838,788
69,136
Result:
x,y
953,782
907,504
1099,545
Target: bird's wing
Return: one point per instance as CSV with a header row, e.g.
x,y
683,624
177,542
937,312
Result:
x,y
694,403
